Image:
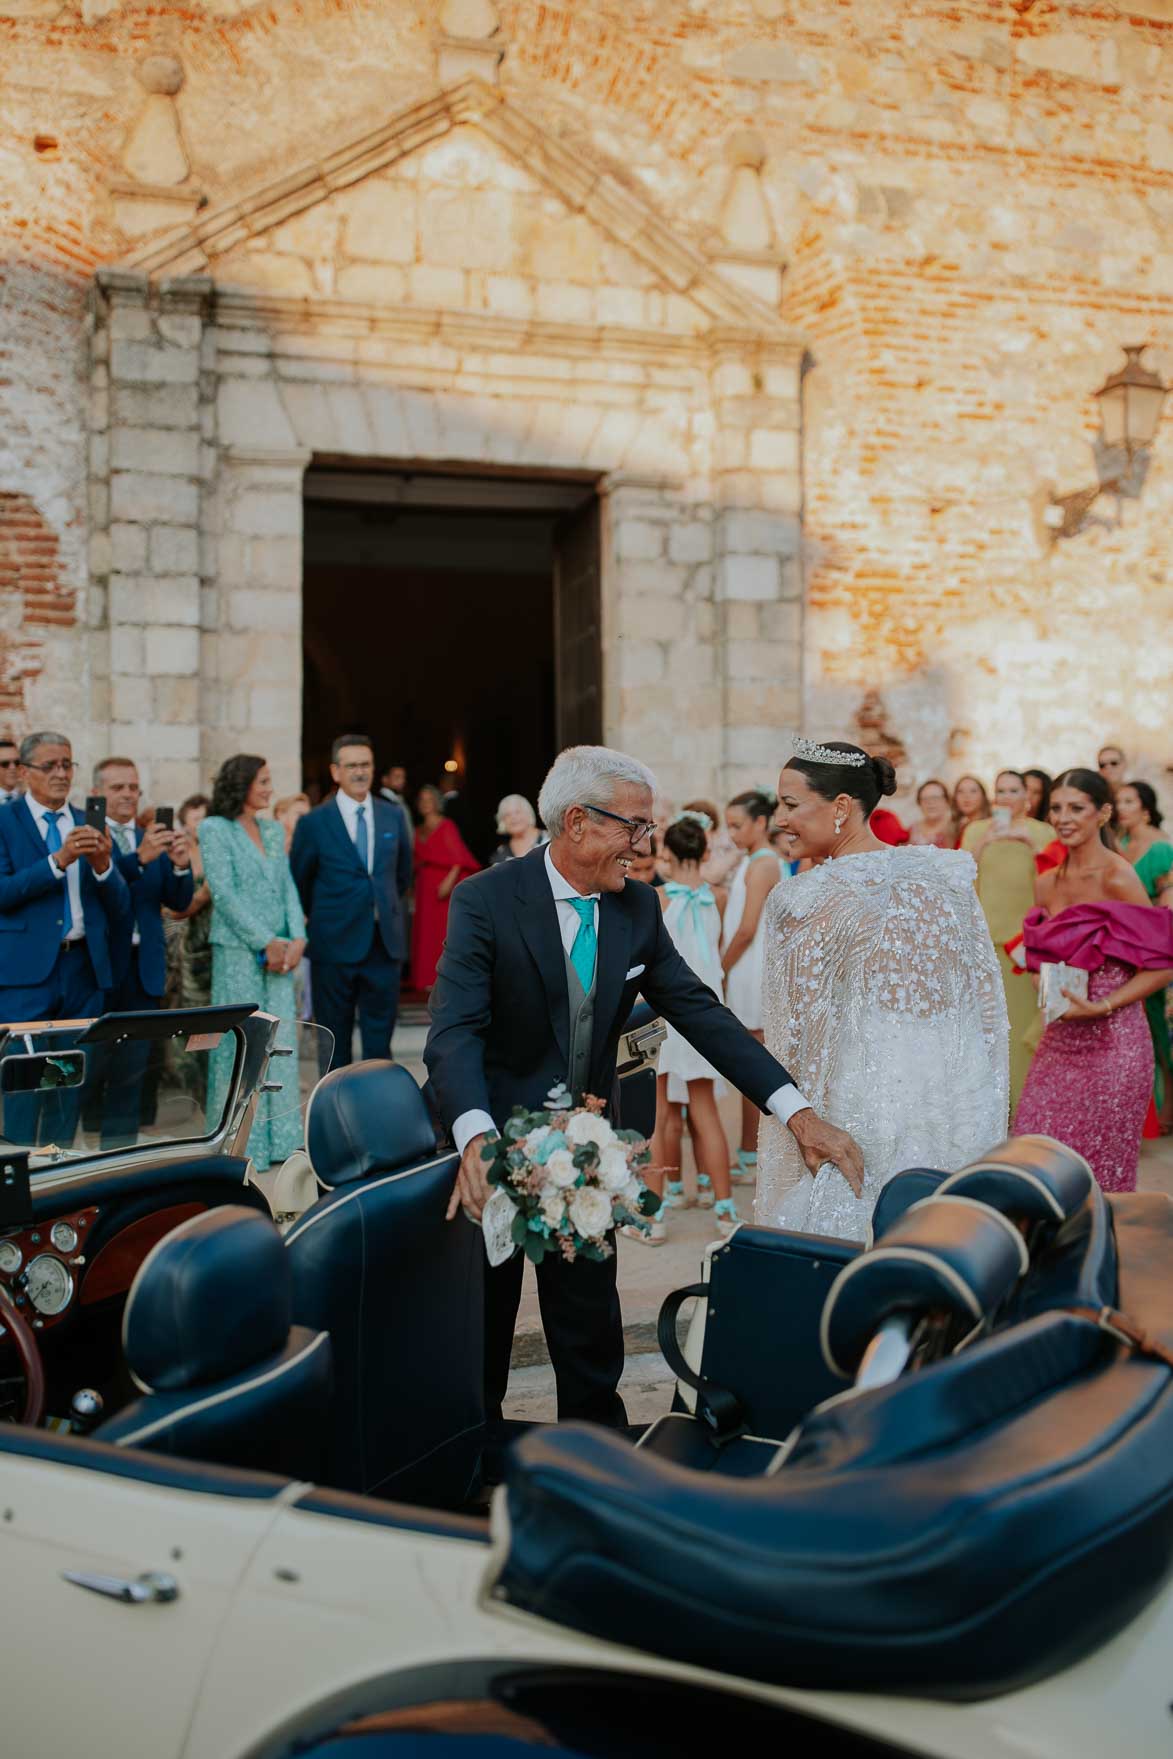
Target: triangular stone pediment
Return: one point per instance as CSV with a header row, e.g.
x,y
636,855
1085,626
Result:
x,y
463,185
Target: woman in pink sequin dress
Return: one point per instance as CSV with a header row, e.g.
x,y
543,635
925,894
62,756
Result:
x,y
1091,1077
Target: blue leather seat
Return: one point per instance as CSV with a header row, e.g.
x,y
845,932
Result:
x,y
398,1288
207,1337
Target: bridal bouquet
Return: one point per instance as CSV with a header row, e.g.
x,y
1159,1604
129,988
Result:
x,y
562,1178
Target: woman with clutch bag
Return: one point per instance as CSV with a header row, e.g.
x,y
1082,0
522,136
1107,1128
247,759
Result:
x,y
1092,1075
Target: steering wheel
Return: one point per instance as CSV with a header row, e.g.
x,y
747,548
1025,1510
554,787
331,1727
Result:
x,y
24,1339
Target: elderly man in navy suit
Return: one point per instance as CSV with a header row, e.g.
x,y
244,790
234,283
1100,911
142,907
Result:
x,y
64,914
352,865
156,865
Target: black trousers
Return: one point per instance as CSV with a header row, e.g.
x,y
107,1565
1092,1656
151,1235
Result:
x,y
128,1080
369,988
583,1324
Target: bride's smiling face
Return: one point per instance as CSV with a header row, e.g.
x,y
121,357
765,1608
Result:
x,y
805,818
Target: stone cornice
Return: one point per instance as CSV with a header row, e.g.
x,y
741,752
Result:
x,y
276,314
584,185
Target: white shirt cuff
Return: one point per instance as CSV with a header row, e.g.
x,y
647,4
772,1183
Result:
x,y
57,872
785,1102
468,1125
105,873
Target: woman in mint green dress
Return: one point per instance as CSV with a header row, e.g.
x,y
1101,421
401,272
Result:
x,y
1139,820
257,935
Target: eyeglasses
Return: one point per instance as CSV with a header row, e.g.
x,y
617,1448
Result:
x,y
9,763
52,769
637,828
355,769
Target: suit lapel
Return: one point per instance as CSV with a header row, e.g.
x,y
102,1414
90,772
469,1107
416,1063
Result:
x,y
383,819
336,825
614,952
537,919
28,824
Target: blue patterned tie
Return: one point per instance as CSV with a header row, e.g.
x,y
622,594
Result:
x,y
582,953
360,837
52,844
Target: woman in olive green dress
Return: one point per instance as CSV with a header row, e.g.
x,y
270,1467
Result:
x,y
1139,819
1005,848
257,936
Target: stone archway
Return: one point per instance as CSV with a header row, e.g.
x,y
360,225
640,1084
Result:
x,y
458,289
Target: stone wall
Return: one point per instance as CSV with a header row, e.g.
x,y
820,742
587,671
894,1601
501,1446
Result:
x,y
971,201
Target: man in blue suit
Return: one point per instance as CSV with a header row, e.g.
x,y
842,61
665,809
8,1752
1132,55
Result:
x,y
64,905
156,865
352,865
64,916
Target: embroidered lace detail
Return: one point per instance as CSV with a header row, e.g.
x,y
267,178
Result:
x,y
883,999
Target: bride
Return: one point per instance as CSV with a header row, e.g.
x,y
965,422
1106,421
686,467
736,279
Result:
x,y
882,997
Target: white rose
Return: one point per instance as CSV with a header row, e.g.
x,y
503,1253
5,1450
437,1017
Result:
x,y
613,1171
586,1127
553,1206
534,1140
590,1211
632,1192
560,1168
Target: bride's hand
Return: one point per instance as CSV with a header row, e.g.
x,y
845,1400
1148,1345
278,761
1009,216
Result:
x,y
819,1141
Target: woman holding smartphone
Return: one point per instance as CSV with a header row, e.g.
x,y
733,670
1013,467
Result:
x,y
1005,847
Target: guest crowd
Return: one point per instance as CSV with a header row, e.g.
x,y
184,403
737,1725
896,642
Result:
x,y
328,912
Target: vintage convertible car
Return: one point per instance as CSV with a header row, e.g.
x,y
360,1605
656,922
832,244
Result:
x,y
913,1499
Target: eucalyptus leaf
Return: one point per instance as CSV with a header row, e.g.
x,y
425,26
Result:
x,y
519,1229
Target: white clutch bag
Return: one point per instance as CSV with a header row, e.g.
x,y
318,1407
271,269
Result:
x,y
1053,980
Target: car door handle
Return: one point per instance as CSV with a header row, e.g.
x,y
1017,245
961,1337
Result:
x,y
152,1587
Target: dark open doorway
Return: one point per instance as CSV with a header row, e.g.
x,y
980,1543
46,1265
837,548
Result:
x,y
455,620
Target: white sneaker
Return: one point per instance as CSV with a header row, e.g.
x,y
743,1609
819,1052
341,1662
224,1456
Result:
x,y
656,1233
705,1196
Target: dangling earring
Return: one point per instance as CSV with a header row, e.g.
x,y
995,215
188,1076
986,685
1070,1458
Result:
x,y
838,825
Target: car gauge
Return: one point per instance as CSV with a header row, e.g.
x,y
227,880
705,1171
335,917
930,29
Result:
x,y
63,1236
48,1285
9,1257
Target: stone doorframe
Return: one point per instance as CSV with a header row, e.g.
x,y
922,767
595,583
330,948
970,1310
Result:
x,y
209,402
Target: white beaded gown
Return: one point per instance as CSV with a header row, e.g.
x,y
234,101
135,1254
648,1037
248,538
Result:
x,y
883,999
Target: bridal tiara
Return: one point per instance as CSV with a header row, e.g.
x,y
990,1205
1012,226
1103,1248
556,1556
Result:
x,y
811,752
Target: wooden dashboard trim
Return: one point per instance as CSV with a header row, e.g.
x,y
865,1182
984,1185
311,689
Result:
x,y
116,1265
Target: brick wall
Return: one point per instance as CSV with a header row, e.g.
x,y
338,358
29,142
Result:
x,y
973,199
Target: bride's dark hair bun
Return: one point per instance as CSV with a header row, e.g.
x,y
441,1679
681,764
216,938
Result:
x,y
885,775
865,781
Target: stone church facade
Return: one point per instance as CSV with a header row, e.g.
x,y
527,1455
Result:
x,y
810,302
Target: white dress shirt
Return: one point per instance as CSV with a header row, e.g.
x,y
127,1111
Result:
x,y
113,826
349,810
71,874
784,1102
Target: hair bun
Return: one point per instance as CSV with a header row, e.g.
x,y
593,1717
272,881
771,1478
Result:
x,y
885,775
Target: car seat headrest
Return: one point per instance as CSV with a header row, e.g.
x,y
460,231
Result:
x,y
367,1118
1030,1178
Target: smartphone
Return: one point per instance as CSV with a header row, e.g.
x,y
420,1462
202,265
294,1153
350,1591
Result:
x,y
96,812
165,817
1001,817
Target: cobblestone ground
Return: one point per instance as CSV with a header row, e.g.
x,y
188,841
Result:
x,y
647,1275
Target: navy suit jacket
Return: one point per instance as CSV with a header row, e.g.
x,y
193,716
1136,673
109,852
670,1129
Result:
x,y
151,887
337,894
501,1013
32,902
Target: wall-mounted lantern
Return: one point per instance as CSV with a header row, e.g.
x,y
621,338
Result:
x,y
1130,403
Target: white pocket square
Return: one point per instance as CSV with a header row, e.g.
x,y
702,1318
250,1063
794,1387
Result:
x,y
635,971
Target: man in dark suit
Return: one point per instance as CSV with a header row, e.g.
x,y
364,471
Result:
x,y
351,861
64,908
9,767
156,865
543,961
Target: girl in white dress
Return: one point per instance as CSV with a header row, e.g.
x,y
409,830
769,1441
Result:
x,y
693,920
883,998
747,818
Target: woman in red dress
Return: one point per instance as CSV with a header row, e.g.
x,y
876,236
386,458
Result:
x,y
441,861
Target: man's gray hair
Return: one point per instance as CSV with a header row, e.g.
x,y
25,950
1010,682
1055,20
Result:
x,y
587,775
32,742
111,763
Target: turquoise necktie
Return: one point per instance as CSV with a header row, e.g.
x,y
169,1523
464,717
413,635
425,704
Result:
x,y
52,844
582,953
